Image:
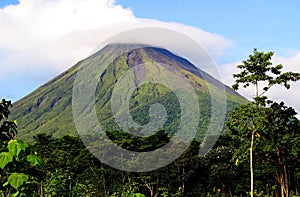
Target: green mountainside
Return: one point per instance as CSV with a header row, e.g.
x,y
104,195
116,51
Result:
x,y
48,109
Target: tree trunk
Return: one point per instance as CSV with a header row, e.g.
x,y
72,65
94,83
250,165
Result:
x,y
286,181
41,190
251,164
282,190
183,182
280,175
297,186
150,187
251,149
256,87
70,189
123,182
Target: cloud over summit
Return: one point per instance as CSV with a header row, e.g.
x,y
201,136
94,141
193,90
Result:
x,y
41,38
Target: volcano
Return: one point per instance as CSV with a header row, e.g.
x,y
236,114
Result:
x,y
48,109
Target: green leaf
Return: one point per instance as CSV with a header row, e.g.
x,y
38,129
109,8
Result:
x,y
237,162
139,195
36,160
5,158
16,146
16,194
17,179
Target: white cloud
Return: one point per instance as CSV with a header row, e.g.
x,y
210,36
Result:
x,y
39,25
41,38
290,97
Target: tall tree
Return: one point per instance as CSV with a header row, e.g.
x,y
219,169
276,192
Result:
x,y
281,146
259,71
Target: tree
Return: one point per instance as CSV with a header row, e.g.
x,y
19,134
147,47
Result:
x,y
281,146
18,162
249,120
8,129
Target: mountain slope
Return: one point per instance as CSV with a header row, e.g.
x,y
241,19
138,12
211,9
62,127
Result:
x,y
48,109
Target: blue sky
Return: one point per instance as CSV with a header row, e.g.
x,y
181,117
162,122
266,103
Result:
x,y
266,25
3,3
36,36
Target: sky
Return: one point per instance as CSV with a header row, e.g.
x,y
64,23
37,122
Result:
x,y
41,38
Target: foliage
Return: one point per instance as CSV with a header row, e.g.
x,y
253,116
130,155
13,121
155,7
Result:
x,y
258,68
17,163
72,170
8,129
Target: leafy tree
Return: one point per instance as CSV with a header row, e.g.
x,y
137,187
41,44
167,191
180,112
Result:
x,y
8,129
247,122
18,162
222,171
258,68
281,145
250,120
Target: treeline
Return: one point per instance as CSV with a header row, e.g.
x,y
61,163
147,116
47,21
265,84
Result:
x,y
71,170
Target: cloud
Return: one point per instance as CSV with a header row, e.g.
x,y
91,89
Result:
x,y
39,25
41,38
278,93
34,41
